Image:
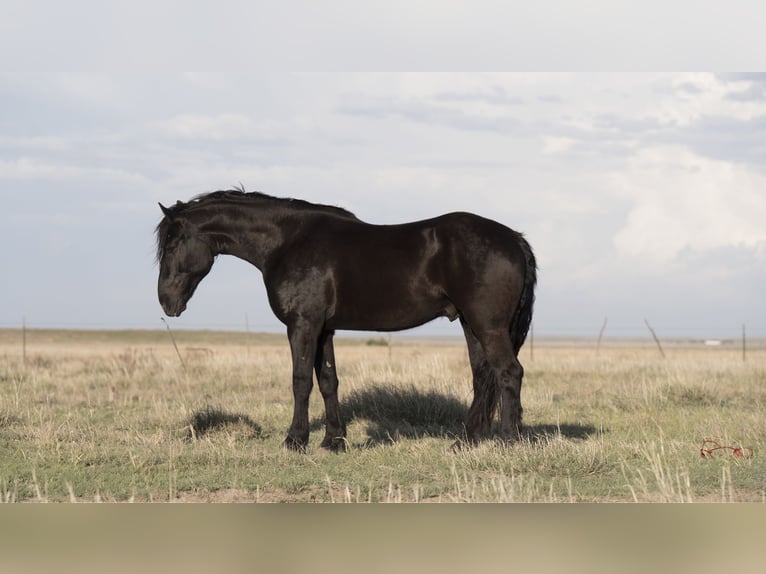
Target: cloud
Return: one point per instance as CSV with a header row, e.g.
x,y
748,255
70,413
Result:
x,y
699,95
431,113
220,127
34,169
496,95
681,201
750,77
754,92
726,138
553,145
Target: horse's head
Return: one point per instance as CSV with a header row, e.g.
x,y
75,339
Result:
x,y
184,259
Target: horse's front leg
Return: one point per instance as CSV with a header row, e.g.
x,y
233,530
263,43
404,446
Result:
x,y
335,428
303,346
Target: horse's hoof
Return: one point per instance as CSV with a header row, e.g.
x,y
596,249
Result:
x,y
294,444
335,444
510,439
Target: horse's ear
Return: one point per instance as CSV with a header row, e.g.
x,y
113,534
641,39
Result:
x,y
165,211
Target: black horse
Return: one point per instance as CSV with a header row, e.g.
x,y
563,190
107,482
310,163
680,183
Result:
x,y
324,269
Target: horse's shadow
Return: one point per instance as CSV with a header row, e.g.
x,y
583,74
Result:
x,y
209,418
570,431
392,413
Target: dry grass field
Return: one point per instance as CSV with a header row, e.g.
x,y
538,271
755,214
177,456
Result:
x,y
115,416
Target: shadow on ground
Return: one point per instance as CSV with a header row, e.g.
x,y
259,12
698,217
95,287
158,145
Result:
x,y
572,431
210,419
392,413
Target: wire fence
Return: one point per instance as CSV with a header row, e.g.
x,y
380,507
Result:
x,y
595,330
742,339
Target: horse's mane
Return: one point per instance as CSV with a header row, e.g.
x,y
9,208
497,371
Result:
x,y
239,195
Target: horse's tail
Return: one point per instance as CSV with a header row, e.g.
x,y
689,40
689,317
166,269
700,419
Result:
x,y
522,318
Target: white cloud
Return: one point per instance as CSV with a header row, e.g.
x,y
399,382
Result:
x,y
694,96
681,201
36,144
33,169
554,145
210,127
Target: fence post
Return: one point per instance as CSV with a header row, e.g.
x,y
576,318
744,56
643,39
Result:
x,y
24,342
600,336
654,336
247,335
173,339
744,344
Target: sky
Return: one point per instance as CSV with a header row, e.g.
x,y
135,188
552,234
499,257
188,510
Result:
x,y
643,195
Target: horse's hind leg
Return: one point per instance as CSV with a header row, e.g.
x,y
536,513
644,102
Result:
x,y
508,374
478,421
324,366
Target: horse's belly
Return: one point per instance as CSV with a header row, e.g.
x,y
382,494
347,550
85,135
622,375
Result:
x,y
387,314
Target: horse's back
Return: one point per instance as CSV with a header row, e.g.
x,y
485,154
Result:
x,y
391,277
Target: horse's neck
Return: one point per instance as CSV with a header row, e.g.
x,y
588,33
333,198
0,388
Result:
x,y
251,233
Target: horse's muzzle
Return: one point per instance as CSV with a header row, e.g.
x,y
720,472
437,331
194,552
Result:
x,y
173,310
